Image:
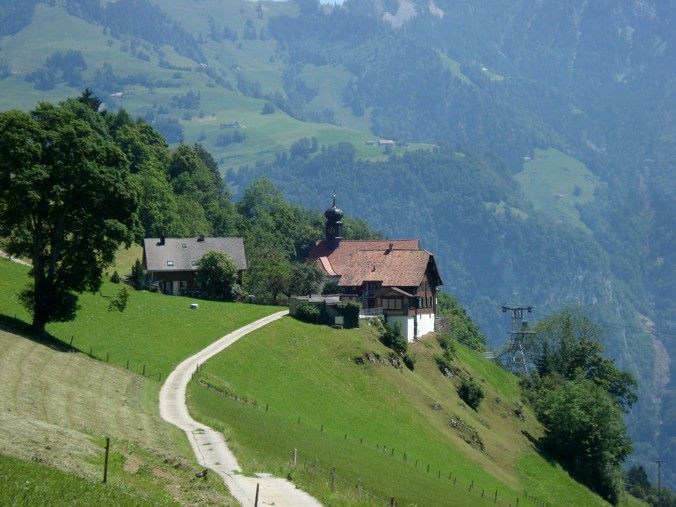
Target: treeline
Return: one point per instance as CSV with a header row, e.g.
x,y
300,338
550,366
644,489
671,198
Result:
x,y
148,22
15,16
182,193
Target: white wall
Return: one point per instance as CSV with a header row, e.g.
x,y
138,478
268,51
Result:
x,y
425,324
406,324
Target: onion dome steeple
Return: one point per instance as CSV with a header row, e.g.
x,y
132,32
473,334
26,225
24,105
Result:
x,y
334,226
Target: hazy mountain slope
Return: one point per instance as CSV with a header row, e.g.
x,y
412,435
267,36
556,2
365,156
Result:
x,y
592,79
591,82
192,83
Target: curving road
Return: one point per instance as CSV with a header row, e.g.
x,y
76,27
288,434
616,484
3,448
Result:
x,y
209,445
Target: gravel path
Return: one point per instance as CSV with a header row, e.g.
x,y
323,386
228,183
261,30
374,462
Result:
x,y
209,445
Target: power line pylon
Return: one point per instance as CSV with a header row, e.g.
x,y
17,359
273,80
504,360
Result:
x,y
517,338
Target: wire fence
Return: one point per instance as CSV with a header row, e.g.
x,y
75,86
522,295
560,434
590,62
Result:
x,y
139,367
312,469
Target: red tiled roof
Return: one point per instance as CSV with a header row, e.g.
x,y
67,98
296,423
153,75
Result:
x,y
357,262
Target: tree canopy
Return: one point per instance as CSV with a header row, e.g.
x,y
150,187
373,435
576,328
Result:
x,y
66,202
217,276
580,396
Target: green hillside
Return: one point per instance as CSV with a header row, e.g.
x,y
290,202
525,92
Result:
x,y
57,408
146,80
376,424
154,331
556,183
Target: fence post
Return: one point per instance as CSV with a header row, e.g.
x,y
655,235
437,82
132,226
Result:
x,y
359,488
333,478
105,461
393,502
471,486
495,499
258,486
315,468
107,356
91,349
295,456
71,340
144,370
127,363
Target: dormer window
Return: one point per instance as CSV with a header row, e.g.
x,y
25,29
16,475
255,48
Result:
x,y
170,263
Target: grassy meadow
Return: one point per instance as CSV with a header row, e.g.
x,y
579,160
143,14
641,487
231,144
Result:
x,y
256,60
556,183
57,408
376,424
155,330
34,484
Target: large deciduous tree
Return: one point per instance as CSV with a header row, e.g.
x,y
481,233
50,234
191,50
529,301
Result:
x,y
65,202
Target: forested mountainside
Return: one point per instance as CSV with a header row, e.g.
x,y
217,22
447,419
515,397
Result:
x,y
552,182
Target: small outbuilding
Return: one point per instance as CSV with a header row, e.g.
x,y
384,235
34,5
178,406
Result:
x,y
171,263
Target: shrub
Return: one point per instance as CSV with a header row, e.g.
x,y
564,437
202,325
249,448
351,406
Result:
x,y
268,108
410,360
393,339
471,392
115,277
138,277
308,313
446,343
350,312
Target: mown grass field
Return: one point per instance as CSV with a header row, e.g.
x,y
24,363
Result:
x,y
556,183
256,60
57,408
374,423
58,404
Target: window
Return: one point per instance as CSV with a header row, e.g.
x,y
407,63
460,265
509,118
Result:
x,y
182,284
193,263
392,303
170,263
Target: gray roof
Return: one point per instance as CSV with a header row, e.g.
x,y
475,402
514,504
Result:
x,y
182,254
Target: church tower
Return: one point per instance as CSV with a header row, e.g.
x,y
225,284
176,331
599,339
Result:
x,y
334,226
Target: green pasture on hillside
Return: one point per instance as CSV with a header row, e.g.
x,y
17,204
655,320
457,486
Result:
x,y
266,135
295,385
556,183
35,484
155,330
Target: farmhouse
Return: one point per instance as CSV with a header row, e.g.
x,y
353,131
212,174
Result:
x,y
395,278
172,262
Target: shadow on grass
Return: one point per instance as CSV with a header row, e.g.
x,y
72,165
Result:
x,y
23,329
